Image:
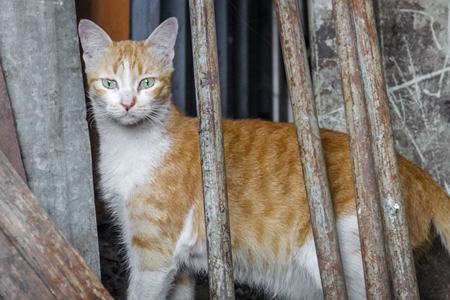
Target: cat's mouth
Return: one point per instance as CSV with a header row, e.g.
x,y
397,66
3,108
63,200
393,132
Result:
x,y
137,115
128,118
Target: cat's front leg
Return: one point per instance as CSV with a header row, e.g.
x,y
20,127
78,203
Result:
x,y
151,285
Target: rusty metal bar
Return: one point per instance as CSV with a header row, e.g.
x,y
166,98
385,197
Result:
x,y
395,222
364,179
313,164
221,283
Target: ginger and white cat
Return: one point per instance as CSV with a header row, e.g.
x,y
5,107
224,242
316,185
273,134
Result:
x,y
151,180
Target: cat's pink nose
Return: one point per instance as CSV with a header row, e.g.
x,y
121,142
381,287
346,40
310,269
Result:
x,y
128,104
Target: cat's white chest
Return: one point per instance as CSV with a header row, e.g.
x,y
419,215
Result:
x,y
128,158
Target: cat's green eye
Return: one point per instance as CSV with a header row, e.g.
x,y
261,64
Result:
x,y
147,83
109,83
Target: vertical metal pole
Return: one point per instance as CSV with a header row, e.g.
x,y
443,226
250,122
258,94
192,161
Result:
x,y
276,79
364,178
222,30
221,282
313,164
395,222
242,61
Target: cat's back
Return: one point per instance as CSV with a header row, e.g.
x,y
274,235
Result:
x,y
263,169
263,145
263,158
263,163
266,187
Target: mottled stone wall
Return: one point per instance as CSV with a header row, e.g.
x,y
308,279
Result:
x,y
414,39
325,65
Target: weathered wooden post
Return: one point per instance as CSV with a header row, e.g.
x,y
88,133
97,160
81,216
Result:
x,y
36,261
218,239
41,63
386,167
411,36
313,164
363,170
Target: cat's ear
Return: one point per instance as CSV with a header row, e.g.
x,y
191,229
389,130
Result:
x,y
94,40
163,39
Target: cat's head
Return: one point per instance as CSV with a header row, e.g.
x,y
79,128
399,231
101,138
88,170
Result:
x,y
129,82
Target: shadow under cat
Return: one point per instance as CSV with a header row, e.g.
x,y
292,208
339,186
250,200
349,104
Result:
x,y
432,270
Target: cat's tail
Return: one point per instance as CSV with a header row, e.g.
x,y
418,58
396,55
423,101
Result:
x,y
426,204
441,217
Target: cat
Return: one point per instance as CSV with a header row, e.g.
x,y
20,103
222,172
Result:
x,y
151,181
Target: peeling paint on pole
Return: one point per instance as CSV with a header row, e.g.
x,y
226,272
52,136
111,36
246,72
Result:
x,y
221,281
313,164
364,179
386,167
414,39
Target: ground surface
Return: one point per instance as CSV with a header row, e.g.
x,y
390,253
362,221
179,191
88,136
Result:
x,y
433,271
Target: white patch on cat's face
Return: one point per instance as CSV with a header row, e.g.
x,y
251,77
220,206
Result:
x,y
128,103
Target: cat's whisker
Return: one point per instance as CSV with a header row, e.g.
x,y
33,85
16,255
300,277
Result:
x,y
157,115
150,119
